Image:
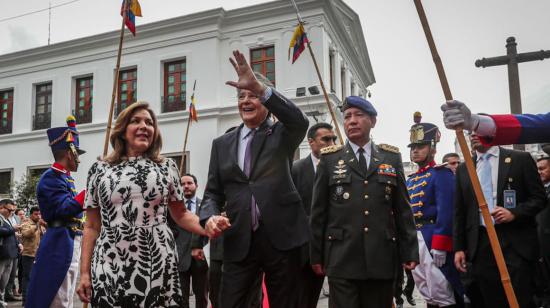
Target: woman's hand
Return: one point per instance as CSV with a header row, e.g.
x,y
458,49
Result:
x,y
84,290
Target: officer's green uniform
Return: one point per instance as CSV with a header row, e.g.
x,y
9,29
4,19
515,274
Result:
x,y
362,225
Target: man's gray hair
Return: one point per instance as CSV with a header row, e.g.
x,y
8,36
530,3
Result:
x,y
262,79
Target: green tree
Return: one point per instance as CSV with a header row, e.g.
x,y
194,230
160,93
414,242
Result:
x,y
24,192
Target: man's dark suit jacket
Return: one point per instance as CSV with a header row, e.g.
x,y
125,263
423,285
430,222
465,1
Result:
x,y
543,220
185,241
517,171
270,181
9,248
303,176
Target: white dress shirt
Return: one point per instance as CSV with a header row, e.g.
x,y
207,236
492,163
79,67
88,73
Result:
x,y
315,162
367,147
243,140
493,160
244,134
193,204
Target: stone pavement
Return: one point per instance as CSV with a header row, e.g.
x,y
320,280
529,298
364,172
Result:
x,y
323,301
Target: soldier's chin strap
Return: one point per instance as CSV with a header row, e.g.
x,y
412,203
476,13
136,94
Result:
x,y
429,158
75,153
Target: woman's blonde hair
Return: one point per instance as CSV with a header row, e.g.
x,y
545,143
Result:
x,y
118,143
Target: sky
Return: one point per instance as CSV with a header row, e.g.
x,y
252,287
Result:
x,y
406,79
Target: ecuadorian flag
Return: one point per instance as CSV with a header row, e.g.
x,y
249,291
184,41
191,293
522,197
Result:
x,y
133,9
192,111
298,42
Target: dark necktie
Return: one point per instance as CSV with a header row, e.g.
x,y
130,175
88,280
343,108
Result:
x,y
189,203
254,211
362,160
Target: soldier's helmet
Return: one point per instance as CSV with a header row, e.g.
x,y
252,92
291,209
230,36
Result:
x,y
65,137
423,133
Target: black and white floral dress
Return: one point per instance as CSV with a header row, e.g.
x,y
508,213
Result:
x,y
134,263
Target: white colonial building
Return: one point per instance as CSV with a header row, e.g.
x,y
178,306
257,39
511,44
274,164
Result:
x,y
41,86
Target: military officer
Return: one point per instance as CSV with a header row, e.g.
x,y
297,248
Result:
x,y
54,274
431,190
361,221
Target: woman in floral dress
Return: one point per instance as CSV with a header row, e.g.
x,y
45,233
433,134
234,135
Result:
x,y
128,252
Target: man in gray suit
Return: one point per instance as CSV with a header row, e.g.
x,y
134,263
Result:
x,y
192,264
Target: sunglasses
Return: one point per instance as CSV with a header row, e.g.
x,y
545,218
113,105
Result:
x,y
453,163
328,138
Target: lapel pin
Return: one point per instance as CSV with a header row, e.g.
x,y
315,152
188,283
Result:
x,y
508,160
376,159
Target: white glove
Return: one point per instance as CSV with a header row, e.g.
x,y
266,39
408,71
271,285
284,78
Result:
x,y
439,257
457,114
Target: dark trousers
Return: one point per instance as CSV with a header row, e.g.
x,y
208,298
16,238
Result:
x,y
280,268
214,282
351,293
542,278
487,277
198,276
27,263
409,286
11,282
310,285
254,297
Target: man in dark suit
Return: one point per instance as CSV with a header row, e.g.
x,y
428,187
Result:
x,y
192,266
319,136
9,248
543,220
514,195
250,174
361,220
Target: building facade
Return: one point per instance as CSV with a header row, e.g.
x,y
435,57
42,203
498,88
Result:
x,y
41,86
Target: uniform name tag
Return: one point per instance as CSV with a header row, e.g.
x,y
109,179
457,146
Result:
x,y
509,199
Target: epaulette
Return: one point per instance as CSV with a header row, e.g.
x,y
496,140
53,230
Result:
x,y
331,149
389,148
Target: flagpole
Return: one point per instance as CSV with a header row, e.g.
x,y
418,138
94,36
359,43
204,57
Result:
x,y
493,239
115,82
183,156
325,94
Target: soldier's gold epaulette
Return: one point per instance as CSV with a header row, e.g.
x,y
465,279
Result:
x,y
331,149
388,148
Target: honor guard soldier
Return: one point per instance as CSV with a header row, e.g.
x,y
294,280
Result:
x,y
54,274
431,190
361,221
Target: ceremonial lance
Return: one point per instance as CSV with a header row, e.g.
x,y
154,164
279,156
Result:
x,y
495,245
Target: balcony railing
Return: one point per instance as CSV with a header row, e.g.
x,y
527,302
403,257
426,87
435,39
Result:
x,y
176,105
42,121
6,129
85,118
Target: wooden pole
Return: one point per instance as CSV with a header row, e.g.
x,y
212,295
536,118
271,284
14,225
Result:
x,y
183,156
115,83
325,94
495,245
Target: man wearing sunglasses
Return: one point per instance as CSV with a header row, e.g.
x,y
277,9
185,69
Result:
x,y
319,136
451,161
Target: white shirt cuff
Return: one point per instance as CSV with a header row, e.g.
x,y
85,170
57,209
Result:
x,y
267,94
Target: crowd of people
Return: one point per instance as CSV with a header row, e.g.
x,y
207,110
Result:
x,y
20,236
277,228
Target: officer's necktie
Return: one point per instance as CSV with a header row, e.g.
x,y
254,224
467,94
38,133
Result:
x,y
254,211
486,181
362,160
189,205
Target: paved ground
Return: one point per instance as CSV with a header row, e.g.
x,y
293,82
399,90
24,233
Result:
x,y
323,301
